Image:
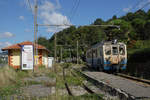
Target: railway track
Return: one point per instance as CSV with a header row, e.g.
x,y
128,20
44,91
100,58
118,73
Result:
x,y
133,78
66,85
84,86
130,77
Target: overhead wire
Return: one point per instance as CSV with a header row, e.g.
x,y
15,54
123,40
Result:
x,y
133,7
145,5
74,9
74,4
30,6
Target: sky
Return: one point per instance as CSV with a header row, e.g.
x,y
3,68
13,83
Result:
x,y
17,20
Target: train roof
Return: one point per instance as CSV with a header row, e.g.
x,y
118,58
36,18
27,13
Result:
x,y
106,43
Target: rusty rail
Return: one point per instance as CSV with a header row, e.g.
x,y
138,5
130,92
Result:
x,y
134,78
66,85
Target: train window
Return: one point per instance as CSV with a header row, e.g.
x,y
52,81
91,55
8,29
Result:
x,y
121,50
96,53
107,50
115,50
89,54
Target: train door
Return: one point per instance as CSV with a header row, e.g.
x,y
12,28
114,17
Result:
x,y
115,57
106,57
115,54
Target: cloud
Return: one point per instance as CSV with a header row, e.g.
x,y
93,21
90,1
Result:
x,y
4,44
50,15
127,9
6,35
21,17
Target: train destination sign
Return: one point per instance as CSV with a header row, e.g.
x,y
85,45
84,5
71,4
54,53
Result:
x,y
27,57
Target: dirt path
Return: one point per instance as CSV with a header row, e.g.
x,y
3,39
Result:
x,y
40,86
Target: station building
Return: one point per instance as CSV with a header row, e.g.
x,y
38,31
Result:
x,y
14,54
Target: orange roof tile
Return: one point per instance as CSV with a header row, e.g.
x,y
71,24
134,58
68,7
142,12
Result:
x,y
18,46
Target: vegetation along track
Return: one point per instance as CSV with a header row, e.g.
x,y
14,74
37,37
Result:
x,y
66,85
85,87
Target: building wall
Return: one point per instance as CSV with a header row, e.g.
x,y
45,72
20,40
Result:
x,y
40,57
45,58
14,58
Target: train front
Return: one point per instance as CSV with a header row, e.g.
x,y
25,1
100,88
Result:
x,y
115,56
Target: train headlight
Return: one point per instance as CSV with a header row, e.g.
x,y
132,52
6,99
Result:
x,y
123,60
107,59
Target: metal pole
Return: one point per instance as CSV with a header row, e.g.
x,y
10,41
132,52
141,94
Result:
x,y
70,53
55,49
61,53
35,32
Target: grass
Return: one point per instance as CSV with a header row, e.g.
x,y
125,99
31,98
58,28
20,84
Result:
x,y
75,80
11,80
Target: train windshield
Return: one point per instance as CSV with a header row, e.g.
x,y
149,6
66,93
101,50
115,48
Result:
x,y
108,50
122,50
115,50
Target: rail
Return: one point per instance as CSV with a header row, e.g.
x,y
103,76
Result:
x,y
133,78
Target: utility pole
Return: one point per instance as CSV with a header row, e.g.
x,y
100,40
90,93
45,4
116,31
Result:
x,y
55,48
61,53
77,51
70,54
35,33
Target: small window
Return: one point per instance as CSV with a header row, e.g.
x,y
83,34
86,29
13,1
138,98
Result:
x,y
96,53
121,50
107,50
115,50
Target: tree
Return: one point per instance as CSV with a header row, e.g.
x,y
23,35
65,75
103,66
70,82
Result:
x,y
98,21
43,41
147,30
120,34
129,17
138,25
114,17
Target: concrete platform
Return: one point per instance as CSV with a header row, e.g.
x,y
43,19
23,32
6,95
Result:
x,y
138,90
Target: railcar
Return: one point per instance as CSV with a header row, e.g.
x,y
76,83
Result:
x,y
107,56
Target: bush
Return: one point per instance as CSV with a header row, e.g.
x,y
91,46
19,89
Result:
x,y
7,75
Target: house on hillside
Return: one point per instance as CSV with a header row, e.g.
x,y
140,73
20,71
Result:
x,y
4,57
15,51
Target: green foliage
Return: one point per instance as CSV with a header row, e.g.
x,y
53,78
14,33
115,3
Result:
x,y
9,90
98,22
22,74
1,61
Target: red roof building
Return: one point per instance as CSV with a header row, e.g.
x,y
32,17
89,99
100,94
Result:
x,y
14,54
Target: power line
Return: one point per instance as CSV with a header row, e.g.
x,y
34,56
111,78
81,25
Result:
x,y
74,9
145,5
137,4
133,7
74,4
30,6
